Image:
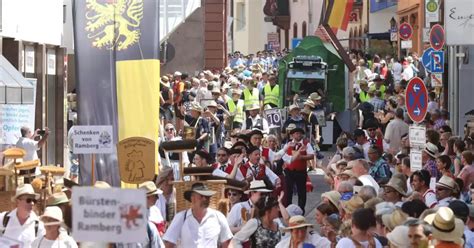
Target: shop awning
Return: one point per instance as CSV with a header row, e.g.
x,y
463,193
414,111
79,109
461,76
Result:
x,y
14,88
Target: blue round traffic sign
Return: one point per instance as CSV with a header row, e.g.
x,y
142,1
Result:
x,y
416,100
405,31
426,58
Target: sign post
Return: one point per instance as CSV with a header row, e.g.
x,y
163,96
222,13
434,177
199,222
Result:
x,y
416,100
92,140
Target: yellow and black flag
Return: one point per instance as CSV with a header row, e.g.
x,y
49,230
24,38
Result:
x,y
118,74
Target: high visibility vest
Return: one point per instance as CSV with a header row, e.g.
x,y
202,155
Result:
x,y
238,110
364,96
271,95
250,98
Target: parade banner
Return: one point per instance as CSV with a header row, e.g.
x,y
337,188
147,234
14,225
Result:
x,y
109,215
117,68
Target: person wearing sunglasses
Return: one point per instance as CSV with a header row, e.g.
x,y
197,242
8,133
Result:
x,y
171,159
22,223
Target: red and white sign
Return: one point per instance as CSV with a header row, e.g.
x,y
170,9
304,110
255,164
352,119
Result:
x,y
405,31
416,100
437,37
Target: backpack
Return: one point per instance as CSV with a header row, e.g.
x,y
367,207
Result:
x,y
6,219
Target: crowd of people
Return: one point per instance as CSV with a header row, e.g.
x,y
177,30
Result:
x,y
376,198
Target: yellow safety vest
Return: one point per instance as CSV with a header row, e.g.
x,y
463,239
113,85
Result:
x,y
238,110
250,98
271,95
364,96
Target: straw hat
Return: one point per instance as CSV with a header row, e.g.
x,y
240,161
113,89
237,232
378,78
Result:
x,y
314,96
293,107
165,81
57,199
257,186
399,236
309,102
196,107
53,212
150,188
163,174
25,189
445,226
333,196
212,104
396,218
296,222
216,90
236,92
352,204
177,74
431,149
102,185
291,126
228,70
253,107
398,185
199,188
384,208
447,182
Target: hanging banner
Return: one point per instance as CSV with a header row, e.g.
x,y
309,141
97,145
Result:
x,y
118,74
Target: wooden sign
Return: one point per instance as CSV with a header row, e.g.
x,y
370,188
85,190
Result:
x,y
136,159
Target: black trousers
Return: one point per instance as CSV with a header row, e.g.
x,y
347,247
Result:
x,y
297,178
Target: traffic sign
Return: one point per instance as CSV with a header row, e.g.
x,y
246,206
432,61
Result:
x,y
416,100
405,31
295,42
437,62
426,58
437,37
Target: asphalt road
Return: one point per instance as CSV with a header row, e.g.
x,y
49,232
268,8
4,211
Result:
x,y
314,198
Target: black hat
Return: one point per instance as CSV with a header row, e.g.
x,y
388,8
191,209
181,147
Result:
x,y
255,132
203,154
252,149
239,143
460,209
359,132
235,151
199,188
297,129
366,107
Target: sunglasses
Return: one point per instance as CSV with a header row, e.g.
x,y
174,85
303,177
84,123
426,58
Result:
x,y
371,129
30,200
169,129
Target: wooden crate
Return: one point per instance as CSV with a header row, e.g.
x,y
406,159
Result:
x,y
182,186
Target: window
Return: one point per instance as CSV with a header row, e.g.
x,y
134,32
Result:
x,y
240,16
295,30
304,29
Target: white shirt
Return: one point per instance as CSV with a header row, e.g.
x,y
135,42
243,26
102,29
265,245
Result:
x,y
63,240
188,232
347,243
369,180
311,238
288,159
24,233
155,215
430,198
432,106
254,120
445,202
468,237
268,172
393,133
155,241
30,146
397,71
161,202
365,148
234,218
407,73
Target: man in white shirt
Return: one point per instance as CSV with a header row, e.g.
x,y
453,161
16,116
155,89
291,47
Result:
x,y
360,168
154,214
255,121
396,128
361,142
22,223
445,188
420,181
237,216
199,226
27,142
397,71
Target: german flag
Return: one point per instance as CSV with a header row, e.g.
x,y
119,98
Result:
x,y
118,74
338,13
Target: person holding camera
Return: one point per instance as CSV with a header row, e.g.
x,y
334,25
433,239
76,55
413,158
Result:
x,y
28,142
